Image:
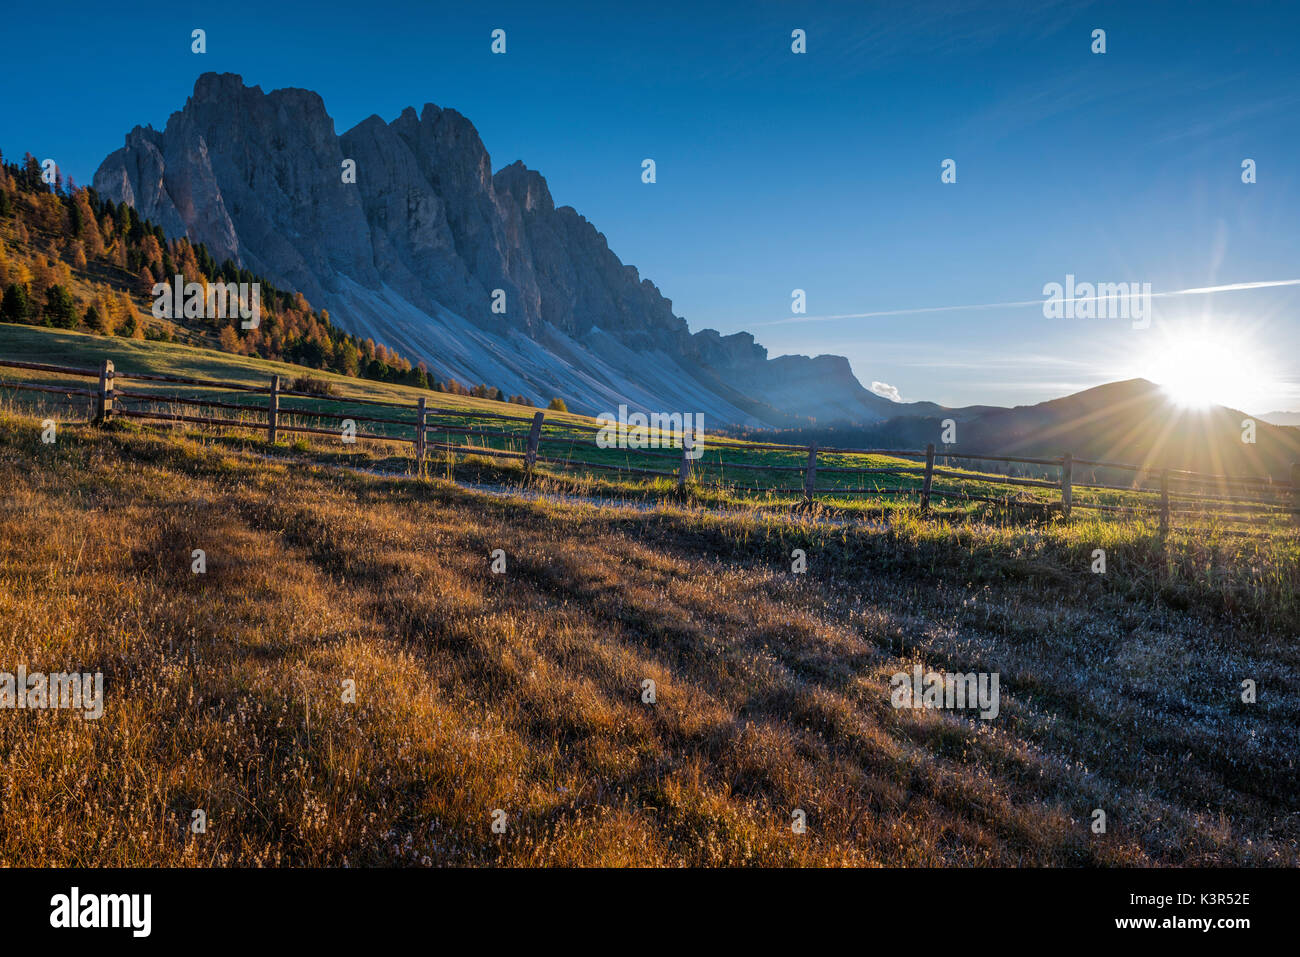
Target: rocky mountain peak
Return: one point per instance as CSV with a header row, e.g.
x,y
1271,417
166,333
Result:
x,y
526,186
418,249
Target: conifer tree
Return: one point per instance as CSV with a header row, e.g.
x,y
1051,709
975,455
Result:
x,y
60,308
15,307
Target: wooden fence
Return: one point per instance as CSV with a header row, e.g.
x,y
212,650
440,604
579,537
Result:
x,y
1178,491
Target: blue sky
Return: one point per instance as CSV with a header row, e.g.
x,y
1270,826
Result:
x,y
819,171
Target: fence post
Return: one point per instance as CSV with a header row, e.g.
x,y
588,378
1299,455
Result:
x,y
1164,502
810,474
929,478
684,472
420,437
105,391
1295,491
273,410
534,439
1067,488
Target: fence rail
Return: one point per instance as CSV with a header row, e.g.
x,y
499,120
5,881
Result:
x,y
1227,497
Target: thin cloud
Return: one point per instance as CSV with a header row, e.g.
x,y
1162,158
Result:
x,y
1197,291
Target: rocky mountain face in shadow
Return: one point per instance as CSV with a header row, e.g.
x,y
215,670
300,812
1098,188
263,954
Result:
x,y
412,251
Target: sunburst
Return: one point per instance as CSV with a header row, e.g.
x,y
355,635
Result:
x,y
1198,367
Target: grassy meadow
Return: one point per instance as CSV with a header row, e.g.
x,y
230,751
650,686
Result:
x,y
521,692
729,473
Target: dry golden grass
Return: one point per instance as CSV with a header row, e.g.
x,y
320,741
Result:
x,y
522,691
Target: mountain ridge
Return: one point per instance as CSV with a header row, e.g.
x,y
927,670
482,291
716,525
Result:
x,y
1132,422
412,252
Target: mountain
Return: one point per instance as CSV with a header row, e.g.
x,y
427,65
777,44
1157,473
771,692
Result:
x,y
1136,422
411,252
1131,422
1280,418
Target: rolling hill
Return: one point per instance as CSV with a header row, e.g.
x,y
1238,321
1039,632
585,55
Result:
x,y
1131,422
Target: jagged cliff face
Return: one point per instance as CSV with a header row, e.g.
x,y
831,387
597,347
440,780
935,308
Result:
x,y
411,253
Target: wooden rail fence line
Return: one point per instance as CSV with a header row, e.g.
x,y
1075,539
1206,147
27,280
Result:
x,y
110,401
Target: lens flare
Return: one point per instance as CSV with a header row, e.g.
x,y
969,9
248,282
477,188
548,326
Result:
x,y
1200,368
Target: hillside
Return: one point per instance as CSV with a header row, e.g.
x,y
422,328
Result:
x,y
82,349
522,691
1132,422
72,260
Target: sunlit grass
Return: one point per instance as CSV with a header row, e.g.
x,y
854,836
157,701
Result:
x,y
523,691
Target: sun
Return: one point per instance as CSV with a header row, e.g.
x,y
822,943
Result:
x,y
1199,368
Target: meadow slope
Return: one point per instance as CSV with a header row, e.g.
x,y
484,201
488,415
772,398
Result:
x,y
522,691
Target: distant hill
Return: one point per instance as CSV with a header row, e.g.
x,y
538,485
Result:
x,y
1132,422
1281,418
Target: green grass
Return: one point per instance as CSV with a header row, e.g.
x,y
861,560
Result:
x,y
86,350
